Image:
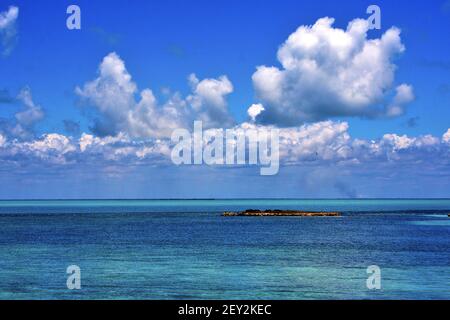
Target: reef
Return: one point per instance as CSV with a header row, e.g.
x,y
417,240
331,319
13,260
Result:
x,y
279,213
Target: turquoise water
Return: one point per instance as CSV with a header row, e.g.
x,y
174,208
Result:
x,y
184,249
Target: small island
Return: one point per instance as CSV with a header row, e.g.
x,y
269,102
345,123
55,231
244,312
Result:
x,y
279,213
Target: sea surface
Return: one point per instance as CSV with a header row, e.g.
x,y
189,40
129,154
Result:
x,y
185,249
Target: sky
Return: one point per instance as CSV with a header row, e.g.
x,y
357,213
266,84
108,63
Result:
x,y
89,113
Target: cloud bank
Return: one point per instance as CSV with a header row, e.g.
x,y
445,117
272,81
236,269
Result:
x,y
322,144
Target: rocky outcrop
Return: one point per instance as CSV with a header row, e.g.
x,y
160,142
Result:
x,y
278,213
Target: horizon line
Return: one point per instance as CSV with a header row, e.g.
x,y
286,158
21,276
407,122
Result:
x,y
194,199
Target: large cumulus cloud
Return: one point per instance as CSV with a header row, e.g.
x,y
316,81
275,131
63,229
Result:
x,y
113,94
328,72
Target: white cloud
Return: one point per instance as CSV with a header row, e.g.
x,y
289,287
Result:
x,y
325,140
113,94
148,119
32,113
254,110
404,95
446,136
160,147
88,141
27,118
52,142
330,72
122,147
209,101
8,18
398,142
49,148
404,142
8,30
2,140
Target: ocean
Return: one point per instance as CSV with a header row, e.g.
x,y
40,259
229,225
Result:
x,y
185,249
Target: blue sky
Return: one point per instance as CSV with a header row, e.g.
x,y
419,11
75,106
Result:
x,y
162,42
